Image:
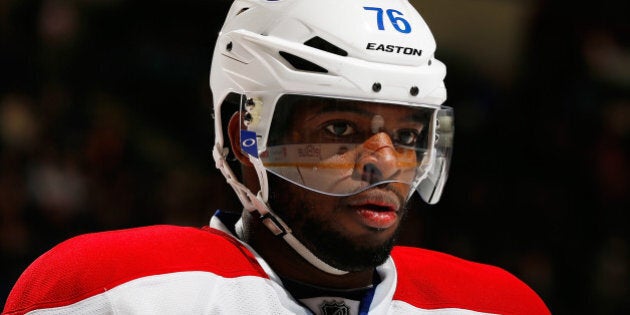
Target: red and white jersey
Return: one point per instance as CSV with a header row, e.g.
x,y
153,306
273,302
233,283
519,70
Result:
x,y
183,270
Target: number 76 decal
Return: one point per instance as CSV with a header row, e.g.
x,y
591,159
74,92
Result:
x,y
395,17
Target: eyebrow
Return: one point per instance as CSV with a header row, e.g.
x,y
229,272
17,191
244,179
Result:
x,y
340,108
345,108
352,108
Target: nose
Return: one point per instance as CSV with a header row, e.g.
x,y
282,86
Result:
x,y
377,159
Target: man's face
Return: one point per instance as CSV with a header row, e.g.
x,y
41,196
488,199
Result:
x,y
367,149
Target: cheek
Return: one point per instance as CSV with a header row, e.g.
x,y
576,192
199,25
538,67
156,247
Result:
x,y
315,206
407,156
297,205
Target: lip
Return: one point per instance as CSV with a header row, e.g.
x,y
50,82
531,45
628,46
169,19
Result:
x,y
376,209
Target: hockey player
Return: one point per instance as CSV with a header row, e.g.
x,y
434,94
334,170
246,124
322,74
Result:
x,y
338,121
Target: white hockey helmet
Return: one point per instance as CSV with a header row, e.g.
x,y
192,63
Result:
x,y
289,53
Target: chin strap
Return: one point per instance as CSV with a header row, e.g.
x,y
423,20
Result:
x,y
280,229
257,204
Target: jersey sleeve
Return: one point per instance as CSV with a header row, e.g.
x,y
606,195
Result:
x,y
432,280
87,265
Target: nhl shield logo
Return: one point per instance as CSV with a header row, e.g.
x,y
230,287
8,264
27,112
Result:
x,y
335,308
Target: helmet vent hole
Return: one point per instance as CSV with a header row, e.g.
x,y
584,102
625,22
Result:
x,y
376,87
322,44
301,63
242,10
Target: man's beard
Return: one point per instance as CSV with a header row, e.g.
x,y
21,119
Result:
x,y
341,252
320,236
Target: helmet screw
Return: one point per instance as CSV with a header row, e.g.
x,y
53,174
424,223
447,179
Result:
x,y
229,46
414,90
376,87
247,119
249,105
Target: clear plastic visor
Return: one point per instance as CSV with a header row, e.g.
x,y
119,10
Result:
x,y
342,147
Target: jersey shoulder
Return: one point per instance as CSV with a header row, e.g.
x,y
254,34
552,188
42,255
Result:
x,y
434,280
92,263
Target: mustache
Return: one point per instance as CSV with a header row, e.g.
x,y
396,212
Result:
x,y
384,194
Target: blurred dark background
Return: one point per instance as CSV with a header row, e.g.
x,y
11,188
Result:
x,y
105,123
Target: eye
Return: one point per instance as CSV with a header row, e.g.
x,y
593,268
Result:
x,y
340,129
407,137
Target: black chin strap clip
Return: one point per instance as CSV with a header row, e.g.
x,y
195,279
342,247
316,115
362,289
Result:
x,y
272,223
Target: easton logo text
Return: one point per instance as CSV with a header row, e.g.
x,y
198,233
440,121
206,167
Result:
x,y
394,49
